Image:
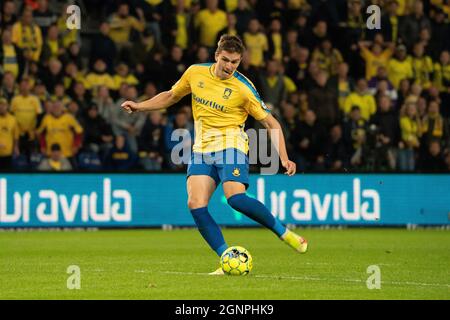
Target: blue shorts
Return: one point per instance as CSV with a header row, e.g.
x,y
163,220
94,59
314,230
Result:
x,y
225,165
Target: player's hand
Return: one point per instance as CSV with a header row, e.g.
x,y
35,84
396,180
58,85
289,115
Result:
x,y
129,106
290,167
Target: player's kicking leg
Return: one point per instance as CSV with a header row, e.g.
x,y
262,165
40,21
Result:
x,y
252,208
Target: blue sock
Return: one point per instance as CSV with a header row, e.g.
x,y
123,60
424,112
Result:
x,y
255,210
209,230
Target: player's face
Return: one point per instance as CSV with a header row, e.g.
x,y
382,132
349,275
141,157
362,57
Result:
x,y
227,63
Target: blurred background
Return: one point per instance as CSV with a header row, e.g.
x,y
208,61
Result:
x,y
350,98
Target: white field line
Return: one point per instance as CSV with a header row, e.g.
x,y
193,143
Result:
x,y
305,278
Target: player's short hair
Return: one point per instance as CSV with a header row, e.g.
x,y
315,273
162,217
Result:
x,y
230,43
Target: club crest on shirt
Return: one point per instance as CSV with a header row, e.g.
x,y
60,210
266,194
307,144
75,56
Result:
x,y
226,93
201,84
236,172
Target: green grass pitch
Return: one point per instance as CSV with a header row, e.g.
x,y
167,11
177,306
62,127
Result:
x,y
156,264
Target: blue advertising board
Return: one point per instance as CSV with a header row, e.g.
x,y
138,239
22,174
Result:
x,y
151,200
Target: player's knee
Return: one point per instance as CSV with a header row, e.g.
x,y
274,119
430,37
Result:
x,y
195,203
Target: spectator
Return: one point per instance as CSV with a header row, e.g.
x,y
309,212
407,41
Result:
x,y
381,76
410,134
272,85
26,108
11,57
104,48
318,33
442,81
411,25
123,75
60,128
174,67
180,29
59,93
361,98
336,157
208,23
243,14
275,41
120,156
27,36
256,42
385,128
52,48
72,75
297,67
202,55
9,136
433,125
390,22
53,75
342,83
433,159
121,24
8,15
289,120
399,67
327,57
55,160
308,141
98,135
99,77
81,95
151,143
9,86
180,123
230,29
44,17
374,58
322,99
105,104
441,30
355,129
128,125
67,35
422,66
291,46
153,14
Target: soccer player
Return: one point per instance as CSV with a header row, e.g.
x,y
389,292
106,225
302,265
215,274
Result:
x,y
222,98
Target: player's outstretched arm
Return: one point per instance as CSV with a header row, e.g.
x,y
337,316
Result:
x,y
277,138
162,100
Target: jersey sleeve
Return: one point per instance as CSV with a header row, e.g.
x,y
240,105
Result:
x,y
254,104
183,86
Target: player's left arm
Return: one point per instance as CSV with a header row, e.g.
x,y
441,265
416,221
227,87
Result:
x,y
277,137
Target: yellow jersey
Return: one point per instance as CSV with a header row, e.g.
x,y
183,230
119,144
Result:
x,y
94,80
219,107
60,130
399,70
121,28
26,109
9,133
373,62
10,62
210,23
256,44
366,104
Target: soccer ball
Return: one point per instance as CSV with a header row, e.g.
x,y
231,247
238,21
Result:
x,y
236,261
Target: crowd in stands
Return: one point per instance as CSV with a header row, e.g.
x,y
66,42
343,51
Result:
x,y
350,98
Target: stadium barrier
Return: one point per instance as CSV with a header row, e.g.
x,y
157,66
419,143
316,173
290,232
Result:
x,y
154,200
